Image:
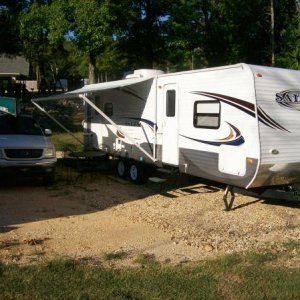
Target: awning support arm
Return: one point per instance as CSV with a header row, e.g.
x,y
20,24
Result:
x,y
57,122
96,108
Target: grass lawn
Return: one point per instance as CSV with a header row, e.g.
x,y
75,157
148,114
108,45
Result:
x,y
66,142
251,276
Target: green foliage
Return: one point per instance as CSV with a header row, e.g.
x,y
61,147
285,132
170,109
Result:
x,y
91,22
143,37
289,55
9,31
101,39
243,31
185,34
34,33
222,32
229,277
34,25
66,142
60,265
88,24
111,63
146,259
116,255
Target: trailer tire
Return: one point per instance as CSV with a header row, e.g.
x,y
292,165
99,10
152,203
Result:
x,y
122,168
136,172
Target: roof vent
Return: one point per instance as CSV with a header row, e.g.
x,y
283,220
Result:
x,y
144,73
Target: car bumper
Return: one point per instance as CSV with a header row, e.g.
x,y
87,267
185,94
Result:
x,y
23,166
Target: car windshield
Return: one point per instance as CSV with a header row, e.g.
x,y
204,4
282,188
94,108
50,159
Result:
x,y
19,125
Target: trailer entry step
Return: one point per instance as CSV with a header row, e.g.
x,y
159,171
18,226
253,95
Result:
x,y
157,181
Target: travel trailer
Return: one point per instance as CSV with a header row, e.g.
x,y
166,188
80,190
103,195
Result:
x,y
238,124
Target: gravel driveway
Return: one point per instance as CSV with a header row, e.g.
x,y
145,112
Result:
x,y
89,215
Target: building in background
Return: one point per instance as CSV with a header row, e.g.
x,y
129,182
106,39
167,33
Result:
x,y
14,77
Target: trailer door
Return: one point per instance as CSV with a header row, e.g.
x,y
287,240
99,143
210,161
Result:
x,y
170,125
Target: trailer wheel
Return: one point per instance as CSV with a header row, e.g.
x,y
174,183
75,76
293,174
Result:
x,y
136,172
122,168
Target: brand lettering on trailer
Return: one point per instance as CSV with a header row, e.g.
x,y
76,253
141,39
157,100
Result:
x,y
289,99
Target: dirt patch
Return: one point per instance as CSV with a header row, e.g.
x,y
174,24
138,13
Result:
x,y
93,216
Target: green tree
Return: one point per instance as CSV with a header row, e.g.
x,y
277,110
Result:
x,y
41,46
96,37
143,36
185,32
34,31
289,47
111,63
89,28
57,34
9,31
219,32
244,32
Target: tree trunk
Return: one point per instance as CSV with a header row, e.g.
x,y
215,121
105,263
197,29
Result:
x,y
92,63
38,76
272,35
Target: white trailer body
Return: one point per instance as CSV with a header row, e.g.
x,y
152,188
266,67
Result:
x,y
238,124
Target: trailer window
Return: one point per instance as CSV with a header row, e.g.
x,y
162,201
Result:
x,y
207,114
171,103
108,109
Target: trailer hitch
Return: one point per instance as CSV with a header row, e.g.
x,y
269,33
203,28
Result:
x,y
228,205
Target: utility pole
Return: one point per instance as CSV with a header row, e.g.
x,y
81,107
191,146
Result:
x,y
272,34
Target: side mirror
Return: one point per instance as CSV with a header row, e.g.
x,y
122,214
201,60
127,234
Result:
x,y
48,132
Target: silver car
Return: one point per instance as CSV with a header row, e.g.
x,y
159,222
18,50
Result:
x,y
25,148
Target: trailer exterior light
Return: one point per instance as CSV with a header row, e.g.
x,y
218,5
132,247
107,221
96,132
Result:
x,y
249,160
258,75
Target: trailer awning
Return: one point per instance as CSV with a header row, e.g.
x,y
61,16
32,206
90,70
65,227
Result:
x,y
95,88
